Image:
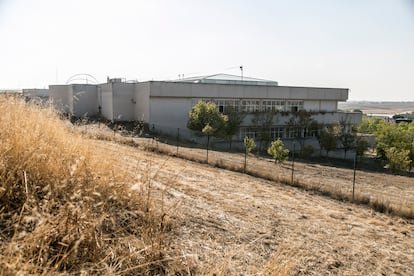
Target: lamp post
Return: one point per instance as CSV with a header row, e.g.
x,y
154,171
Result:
x,y
241,70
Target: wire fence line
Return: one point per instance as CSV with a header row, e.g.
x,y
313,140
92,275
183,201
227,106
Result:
x,y
339,179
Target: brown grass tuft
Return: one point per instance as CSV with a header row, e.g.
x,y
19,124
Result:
x,y
65,208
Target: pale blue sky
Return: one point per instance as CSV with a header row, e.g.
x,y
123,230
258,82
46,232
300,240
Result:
x,y
364,45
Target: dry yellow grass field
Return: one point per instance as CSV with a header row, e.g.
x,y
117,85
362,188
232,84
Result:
x,y
70,204
384,192
65,209
232,223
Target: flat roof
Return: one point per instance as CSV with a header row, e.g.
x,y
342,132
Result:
x,y
228,79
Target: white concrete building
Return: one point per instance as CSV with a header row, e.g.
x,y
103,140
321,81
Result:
x,y
165,105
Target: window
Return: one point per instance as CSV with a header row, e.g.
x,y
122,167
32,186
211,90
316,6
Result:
x,y
294,106
231,105
294,132
220,105
226,105
277,132
312,132
250,106
273,105
246,131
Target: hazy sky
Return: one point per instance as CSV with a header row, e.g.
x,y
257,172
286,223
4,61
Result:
x,y
364,45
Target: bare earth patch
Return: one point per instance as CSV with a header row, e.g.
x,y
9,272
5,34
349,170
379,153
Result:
x,y
238,224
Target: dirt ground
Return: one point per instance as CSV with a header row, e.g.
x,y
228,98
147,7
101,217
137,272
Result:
x,y
236,224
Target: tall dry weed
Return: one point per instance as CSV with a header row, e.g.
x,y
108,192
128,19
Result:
x,y
64,208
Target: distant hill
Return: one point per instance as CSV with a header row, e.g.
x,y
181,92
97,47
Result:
x,y
368,107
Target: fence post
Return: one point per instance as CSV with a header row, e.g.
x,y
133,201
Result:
x,y
178,139
208,141
353,182
293,162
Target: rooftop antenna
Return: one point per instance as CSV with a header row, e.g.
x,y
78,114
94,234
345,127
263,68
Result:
x,y
241,69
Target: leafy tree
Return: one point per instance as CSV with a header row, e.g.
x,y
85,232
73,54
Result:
x,y
392,135
361,145
262,122
398,159
301,122
205,119
369,125
277,151
234,119
348,142
346,138
328,138
249,145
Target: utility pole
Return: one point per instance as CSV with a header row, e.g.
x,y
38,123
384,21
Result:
x,y
241,70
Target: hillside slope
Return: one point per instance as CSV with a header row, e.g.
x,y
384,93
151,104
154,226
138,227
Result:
x,y
63,208
234,223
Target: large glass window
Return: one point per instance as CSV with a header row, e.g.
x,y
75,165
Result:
x,y
227,105
273,105
246,131
277,132
294,132
250,106
294,106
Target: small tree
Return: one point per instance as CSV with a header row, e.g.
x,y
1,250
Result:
x,y
301,122
328,138
234,119
277,151
262,122
348,141
249,145
361,145
205,119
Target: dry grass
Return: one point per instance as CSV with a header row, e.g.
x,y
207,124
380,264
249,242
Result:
x,y
327,181
233,224
64,208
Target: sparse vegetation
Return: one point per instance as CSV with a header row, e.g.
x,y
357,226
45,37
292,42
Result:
x,y
328,138
394,142
205,119
249,145
81,217
64,208
232,126
277,151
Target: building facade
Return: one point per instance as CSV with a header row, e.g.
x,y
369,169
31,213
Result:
x,y
165,105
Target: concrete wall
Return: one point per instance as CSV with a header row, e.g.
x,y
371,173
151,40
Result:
x,y
85,100
123,101
170,103
61,95
350,118
141,97
170,114
196,90
105,99
279,119
320,105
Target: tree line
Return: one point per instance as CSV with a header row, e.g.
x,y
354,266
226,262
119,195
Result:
x,y
206,120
